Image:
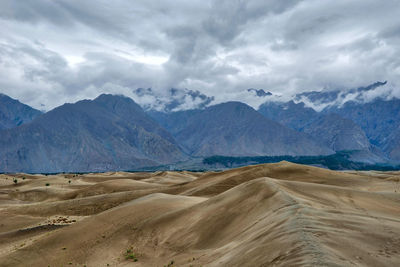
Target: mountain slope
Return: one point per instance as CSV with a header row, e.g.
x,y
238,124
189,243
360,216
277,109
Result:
x,y
330,129
174,122
378,118
337,133
370,107
108,133
291,114
358,126
236,129
13,113
391,145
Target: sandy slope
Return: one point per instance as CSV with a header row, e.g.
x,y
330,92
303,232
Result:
x,y
265,215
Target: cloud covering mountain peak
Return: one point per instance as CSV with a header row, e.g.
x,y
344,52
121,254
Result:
x,y
319,100
172,99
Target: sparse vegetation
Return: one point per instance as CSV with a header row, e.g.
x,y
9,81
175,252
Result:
x,y
170,264
130,255
47,184
15,181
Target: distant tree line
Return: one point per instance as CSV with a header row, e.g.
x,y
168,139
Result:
x,y
339,161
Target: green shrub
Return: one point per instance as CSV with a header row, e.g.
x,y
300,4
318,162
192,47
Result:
x,y
170,264
129,255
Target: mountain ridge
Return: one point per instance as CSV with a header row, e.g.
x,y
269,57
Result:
x,y
235,128
14,113
114,127
86,136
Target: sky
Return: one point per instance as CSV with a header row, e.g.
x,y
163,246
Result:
x,y
52,52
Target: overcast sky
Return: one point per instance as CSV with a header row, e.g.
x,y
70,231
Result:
x,y
59,51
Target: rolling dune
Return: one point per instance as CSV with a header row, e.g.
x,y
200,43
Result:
x,y
279,214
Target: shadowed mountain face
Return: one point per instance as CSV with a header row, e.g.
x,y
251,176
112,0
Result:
x,y
13,113
378,119
290,114
108,133
340,134
391,145
174,122
337,133
332,130
236,129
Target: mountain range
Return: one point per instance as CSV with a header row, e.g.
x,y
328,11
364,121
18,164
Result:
x,y
236,129
112,132
107,133
345,118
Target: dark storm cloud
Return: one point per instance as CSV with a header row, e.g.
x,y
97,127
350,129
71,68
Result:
x,y
57,51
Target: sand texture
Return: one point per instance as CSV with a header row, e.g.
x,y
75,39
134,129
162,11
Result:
x,y
279,214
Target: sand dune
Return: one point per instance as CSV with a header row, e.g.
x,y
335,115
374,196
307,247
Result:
x,y
279,214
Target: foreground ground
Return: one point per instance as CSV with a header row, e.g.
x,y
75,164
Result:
x,y
279,214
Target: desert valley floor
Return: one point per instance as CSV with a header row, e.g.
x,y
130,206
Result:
x,y
279,214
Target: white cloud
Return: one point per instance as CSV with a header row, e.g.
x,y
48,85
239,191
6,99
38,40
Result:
x,y
57,51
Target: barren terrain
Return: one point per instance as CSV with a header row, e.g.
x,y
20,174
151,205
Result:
x,y
279,214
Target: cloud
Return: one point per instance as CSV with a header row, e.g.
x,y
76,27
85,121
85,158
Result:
x,y
172,99
53,52
319,100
